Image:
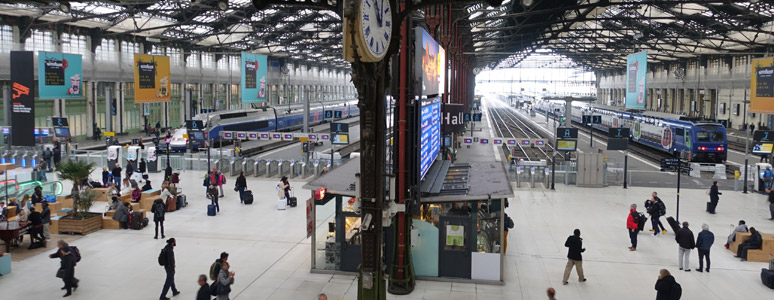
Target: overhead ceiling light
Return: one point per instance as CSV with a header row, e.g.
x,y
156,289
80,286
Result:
x,y
753,1
222,5
527,3
64,7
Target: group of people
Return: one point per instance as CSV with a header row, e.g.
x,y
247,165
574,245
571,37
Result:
x,y
27,215
219,273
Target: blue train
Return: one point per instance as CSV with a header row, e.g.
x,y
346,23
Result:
x,y
677,135
272,119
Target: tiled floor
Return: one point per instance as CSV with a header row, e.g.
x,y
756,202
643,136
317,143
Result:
x,y
271,256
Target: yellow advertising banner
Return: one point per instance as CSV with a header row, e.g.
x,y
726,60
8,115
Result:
x,y
762,86
151,78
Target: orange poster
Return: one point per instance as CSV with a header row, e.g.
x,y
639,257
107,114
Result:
x,y
762,86
151,78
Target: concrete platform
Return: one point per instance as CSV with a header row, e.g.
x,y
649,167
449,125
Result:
x,y
270,252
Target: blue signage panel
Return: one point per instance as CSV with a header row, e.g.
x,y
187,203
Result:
x,y
59,75
636,71
430,141
253,78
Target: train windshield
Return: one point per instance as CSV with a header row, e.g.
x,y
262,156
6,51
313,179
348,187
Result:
x,y
709,134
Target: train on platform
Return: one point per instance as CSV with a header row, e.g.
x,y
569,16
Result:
x,y
676,135
269,119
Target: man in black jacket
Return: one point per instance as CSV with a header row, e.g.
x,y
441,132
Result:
x,y
686,241
241,185
656,210
771,203
117,175
204,288
574,258
169,267
714,197
67,269
754,242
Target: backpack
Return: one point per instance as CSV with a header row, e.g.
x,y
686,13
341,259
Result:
x,y
222,179
214,288
76,253
661,208
163,260
677,292
159,210
509,222
206,181
214,269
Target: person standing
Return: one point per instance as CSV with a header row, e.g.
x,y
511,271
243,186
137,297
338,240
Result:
x,y
213,192
666,286
767,177
656,210
241,186
117,174
67,270
225,280
574,257
46,215
169,267
771,204
284,189
143,166
57,152
206,183
631,226
204,288
159,209
105,175
686,241
703,243
714,197
47,156
754,242
218,265
221,181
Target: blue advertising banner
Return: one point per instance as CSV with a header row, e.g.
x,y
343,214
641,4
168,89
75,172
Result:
x,y
59,75
254,68
636,76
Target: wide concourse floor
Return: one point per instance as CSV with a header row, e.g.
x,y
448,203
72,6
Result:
x,y
271,255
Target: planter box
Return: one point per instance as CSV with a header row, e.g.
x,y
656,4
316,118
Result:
x,y
83,226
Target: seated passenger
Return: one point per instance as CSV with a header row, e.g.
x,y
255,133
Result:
x,y
754,242
122,215
36,227
136,194
165,193
23,211
742,227
37,196
147,186
115,204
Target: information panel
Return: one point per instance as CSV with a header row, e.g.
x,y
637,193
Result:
x,y
254,68
430,140
636,71
22,98
151,78
59,75
762,83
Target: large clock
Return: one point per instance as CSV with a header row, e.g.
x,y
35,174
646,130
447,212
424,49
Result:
x,y
374,29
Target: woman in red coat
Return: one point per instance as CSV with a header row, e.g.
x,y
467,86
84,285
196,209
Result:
x,y
631,225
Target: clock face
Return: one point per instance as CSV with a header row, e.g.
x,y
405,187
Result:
x,y
376,26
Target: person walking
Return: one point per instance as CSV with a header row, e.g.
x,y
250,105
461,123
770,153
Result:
x,y
714,197
213,192
61,244
47,156
225,280
206,184
218,265
159,209
117,174
169,267
771,204
241,186
574,257
656,210
129,169
686,241
204,289
666,286
768,177
67,270
631,226
754,242
703,243
221,181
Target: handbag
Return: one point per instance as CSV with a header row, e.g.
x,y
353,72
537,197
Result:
x,y
223,289
60,273
236,188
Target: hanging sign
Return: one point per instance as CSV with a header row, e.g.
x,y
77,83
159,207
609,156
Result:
x,y
59,75
22,98
253,78
151,78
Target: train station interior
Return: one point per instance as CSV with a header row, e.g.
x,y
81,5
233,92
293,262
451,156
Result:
x,y
387,149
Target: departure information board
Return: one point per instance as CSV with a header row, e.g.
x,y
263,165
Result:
x,y
430,140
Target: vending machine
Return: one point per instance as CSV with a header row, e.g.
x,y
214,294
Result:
x,y
153,160
133,155
114,156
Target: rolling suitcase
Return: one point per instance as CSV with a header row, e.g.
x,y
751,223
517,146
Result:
x,y
293,201
181,201
672,223
767,277
281,204
136,221
709,207
210,210
248,197
171,204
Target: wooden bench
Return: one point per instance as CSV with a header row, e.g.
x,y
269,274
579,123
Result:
x,y
109,223
147,203
53,228
52,206
101,194
758,255
150,193
67,201
11,212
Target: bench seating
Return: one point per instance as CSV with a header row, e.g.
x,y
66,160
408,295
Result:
x,y
150,193
5,264
109,223
758,255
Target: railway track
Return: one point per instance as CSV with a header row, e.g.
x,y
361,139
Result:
x,y
509,124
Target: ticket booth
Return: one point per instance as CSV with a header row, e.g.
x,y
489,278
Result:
x,y
133,154
115,156
153,160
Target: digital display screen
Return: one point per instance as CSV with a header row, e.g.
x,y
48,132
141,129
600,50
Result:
x,y
498,142
241,135
227,135
197,135
288,136
62,131
252,136
44,131
6,130
325,137
484,141
525,142
276,136
540,143
340,139
312,136
264,135
467,141
511,142
430,139
566,145
36,131
762,148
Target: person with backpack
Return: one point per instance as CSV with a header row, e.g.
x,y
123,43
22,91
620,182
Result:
x,y
47,156
225,280
70,283
159,209
217,265
631,225
768,177
206,184
714,197
686,242
167,259
241,186
666,287
656,210
574,256
204,288
508,225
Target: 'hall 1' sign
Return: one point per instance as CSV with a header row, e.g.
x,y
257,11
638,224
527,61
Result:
x,y
452,117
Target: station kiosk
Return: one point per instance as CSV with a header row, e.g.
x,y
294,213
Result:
x,y
153,160
133,154
114,156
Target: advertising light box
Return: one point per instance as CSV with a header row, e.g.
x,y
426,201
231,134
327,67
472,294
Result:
x,y
151,78
427,66
254,77
60,75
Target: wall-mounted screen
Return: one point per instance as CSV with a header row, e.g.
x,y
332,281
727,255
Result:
x,y
566,145
430,138
427,64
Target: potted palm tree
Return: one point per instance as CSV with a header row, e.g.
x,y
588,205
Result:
x,y
81,220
